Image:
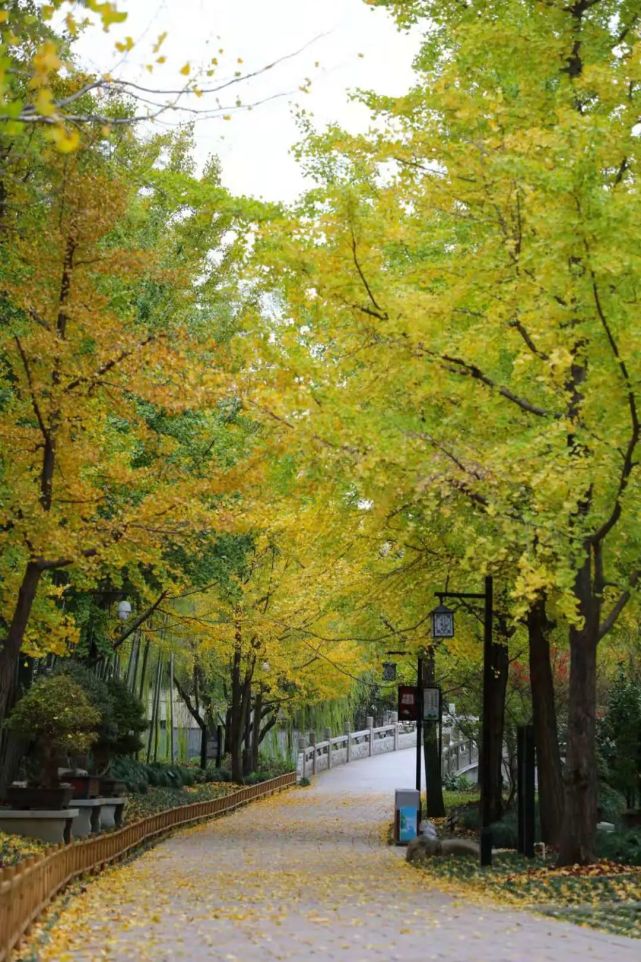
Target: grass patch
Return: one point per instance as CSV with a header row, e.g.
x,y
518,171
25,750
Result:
x,y
606,895
453,799
620,919
158,799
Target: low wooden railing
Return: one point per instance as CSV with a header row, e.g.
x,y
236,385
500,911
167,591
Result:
x,y
27,888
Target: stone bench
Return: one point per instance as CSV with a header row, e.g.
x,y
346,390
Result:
x,y
87,821
49,826
111,812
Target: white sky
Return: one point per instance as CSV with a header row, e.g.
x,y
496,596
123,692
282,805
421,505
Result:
x,y
254,146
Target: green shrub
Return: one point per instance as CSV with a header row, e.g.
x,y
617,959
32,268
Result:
x,y
620,846
255,778
272,767
58,714
468,816
132,772
122,714
505,834
213,774
128,717
188,775
611,803
458,783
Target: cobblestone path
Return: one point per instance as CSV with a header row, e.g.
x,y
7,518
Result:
x,y
304,876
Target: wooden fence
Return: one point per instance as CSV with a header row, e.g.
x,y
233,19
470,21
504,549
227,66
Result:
x,y
27,888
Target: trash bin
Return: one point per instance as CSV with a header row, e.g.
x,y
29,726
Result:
x,y
406,802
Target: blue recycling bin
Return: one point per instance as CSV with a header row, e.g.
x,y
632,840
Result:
x,y
406,805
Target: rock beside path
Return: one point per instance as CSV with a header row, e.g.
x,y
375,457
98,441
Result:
x,y
423,847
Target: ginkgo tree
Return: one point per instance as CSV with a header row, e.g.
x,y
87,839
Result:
x,y
459,312
271,631
114,358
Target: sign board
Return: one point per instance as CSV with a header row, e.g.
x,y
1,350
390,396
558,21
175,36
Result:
x,y
389,671
407,703
431,703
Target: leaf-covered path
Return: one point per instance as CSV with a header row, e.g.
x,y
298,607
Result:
x,y
302,876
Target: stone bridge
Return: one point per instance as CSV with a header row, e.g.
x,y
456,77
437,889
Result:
x,y
459,755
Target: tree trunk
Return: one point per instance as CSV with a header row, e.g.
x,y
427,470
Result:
x,y
256,730
199,719
548,755
581,786
240,704
247,739
580,815
143,673
152,741
227,745
203,747
235,721
10,651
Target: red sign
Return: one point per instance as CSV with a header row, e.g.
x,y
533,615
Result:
x,y
407,703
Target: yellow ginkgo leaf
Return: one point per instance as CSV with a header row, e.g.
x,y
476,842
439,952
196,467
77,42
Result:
x,y
125,45
159,42
66,140
44,102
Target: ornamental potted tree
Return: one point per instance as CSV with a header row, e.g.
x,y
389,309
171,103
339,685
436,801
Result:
x,y
122,721
58,716
87,786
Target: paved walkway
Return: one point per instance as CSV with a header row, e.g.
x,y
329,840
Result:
x,y
304,876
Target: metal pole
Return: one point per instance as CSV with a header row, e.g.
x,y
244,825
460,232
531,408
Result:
x,y
486,733
526,763
440,731
419,730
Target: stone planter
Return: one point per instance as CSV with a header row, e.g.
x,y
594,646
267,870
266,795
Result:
x,y
84,786
27,797
87,821
111,788
53,826
111,812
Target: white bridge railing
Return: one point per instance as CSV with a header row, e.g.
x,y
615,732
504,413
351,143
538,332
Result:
x,y
459,754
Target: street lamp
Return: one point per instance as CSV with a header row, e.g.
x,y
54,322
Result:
x,y
124,609
442,622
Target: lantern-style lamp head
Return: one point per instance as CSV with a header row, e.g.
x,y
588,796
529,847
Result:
x,y
124,610
442,622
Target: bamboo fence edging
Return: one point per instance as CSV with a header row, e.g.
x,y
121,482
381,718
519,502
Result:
x,y
27,888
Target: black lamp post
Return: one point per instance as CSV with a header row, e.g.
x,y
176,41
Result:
x,y
443,627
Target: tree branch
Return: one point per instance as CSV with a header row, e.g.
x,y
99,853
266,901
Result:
x,y
635,426
109,365
193,711
619,605
382,314
139,620
34,403
458,365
